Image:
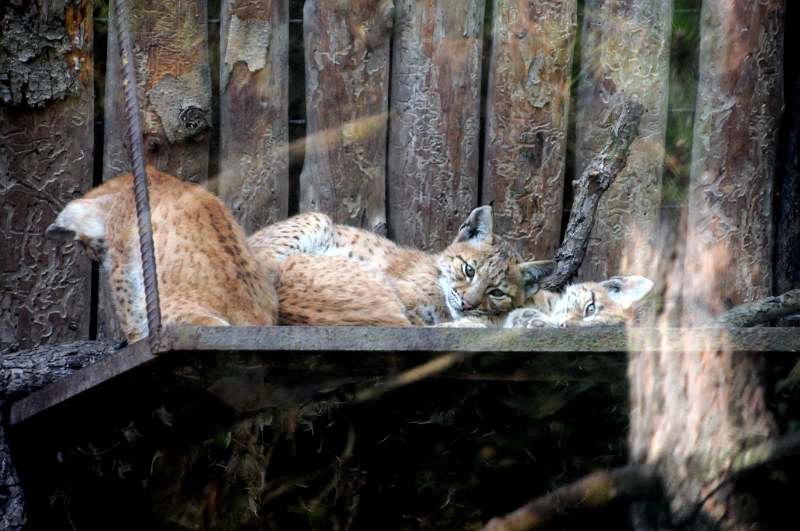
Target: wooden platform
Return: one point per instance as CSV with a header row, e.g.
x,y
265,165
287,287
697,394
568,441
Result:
x,y
238,363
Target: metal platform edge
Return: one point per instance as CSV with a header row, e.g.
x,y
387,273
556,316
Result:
x,y
398,340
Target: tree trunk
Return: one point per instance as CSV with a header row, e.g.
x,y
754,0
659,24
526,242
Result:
x,y
435,105
171,54
347,70
526,121
691,414
46,141
614,32
254,114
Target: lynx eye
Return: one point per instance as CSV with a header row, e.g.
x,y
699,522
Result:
x,y
497,293
589,310
469,271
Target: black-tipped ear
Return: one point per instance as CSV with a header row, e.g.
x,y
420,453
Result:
x,y
627,290
479,227
533,273
54,232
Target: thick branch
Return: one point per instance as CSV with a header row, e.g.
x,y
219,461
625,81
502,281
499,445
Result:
x,y
28,370
758,312
595,180
591,492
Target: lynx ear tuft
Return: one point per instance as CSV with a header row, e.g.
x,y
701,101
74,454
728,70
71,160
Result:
x,y
479,227
533,273
627,290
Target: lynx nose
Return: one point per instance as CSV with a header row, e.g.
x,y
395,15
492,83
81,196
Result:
x,y
466,305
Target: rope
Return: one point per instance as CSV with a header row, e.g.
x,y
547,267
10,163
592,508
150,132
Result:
x,y
139,172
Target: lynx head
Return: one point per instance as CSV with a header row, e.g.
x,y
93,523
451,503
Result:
x,y
481,274
599,303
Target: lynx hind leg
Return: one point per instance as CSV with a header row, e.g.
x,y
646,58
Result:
x,y
308,233
528,318
127,286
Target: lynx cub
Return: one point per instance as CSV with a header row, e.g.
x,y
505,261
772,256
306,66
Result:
x,y
478,276
585,304
207,274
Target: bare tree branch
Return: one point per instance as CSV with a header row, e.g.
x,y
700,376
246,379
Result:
x,y
595,180
758,312
591,492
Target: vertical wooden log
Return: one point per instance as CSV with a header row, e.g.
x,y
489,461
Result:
x,y
347,92
692,413
625,55
739,103
171,53
254,118
527,109
435,106
46,140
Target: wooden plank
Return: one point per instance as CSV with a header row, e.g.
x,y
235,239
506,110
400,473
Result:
x,y
363,352
527,110
729,236
254,114
435,106
171,53
46,141
625,54
347,91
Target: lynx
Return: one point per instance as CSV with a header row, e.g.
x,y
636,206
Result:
x,y
207,274
605,303
478,276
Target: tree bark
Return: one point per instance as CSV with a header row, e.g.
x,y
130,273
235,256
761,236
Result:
x,y
46,141
347,70
254,113
614,32
435,106
526,121
691,414
171,54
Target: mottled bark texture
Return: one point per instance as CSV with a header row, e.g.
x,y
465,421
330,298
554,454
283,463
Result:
x,y
589,189
739,103
45,161
527,109
20,374
347,92
254,114
435,106
171,54
691,414
625,55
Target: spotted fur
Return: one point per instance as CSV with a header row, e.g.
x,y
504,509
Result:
x,y
586,304
479,276
207,273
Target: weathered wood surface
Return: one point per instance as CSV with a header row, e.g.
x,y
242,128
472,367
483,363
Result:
x,y
347,92
739,103
527,109
45,161
589,189
692,413
171,54
435,107
625,55
254,115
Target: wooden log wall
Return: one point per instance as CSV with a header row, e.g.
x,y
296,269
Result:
x,y
347,89
527,109
254,114
46,142
625,54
